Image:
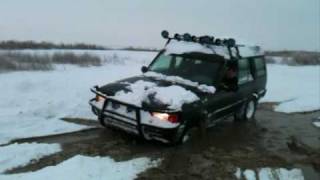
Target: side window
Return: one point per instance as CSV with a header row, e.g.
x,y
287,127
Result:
x,y
244,74
260,66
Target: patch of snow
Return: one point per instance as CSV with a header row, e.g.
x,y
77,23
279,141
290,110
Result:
x,y
177,79
317,124
135,94
238,173
15,155
249,174
181,47
83,167
281,174
174,96
32,126
296,88
270,174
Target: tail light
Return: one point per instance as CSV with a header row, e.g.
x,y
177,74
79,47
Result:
x,y
173,118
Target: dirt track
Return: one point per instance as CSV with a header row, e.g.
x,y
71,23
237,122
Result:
x,y
273,140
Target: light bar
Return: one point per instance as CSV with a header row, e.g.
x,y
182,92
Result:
x,y
202,39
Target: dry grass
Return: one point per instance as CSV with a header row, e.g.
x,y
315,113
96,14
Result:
x,y
16,61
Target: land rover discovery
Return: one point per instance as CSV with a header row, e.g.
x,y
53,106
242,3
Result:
x,y
192,82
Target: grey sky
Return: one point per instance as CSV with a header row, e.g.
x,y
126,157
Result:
x,y
274,24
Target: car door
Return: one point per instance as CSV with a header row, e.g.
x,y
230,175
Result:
x,y
222,103
245,79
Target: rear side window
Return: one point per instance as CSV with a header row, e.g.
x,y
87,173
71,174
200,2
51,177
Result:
x,y
260,66
245,74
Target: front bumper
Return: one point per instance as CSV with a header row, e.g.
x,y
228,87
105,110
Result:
x,y
132,122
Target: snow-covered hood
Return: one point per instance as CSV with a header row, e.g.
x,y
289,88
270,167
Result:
x,y
156,92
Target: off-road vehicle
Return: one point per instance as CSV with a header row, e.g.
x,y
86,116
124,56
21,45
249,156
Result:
x,y
192,82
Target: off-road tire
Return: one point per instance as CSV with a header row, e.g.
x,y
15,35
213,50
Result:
x,y
247,111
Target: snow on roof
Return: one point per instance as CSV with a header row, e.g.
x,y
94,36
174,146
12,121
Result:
x,y
174,96
177,79
181,47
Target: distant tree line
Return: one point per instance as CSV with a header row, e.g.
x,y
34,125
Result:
x,y
295,57
131,48
12,44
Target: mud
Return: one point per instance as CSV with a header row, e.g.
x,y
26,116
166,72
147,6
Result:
x,y
272,140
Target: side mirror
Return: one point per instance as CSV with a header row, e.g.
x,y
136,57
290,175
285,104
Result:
x,y
144,69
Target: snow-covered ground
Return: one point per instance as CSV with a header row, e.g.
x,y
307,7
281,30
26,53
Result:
x,y
83,168
15,155
33,102
296,88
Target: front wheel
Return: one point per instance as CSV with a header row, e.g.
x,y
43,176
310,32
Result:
x,y
181,136
246,111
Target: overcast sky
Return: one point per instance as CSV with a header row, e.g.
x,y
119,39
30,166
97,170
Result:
x,y
273,24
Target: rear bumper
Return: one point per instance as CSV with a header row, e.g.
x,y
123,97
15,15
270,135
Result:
x,y
133,125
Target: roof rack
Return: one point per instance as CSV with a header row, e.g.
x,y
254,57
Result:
x,y
204,40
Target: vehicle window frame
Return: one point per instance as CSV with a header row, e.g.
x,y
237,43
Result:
x,y
264,68
249,77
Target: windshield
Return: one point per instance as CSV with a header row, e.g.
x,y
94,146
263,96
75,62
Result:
x,y
195,68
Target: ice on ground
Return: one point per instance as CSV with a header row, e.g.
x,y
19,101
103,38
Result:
x,y
297,88
15,155
32,102
270,174
177,79
83,168
174,96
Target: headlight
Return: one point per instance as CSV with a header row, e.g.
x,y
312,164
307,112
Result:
x,y
100,98
173,118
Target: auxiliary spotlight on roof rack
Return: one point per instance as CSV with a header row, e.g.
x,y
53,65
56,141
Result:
x,y
204,40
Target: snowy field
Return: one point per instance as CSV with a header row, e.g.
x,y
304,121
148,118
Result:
x,y
33,102
296,88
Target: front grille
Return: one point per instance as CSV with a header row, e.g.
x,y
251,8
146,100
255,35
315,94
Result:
x,y
122,111
121,115
121,124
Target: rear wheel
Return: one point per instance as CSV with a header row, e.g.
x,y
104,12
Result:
x,y
246,111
